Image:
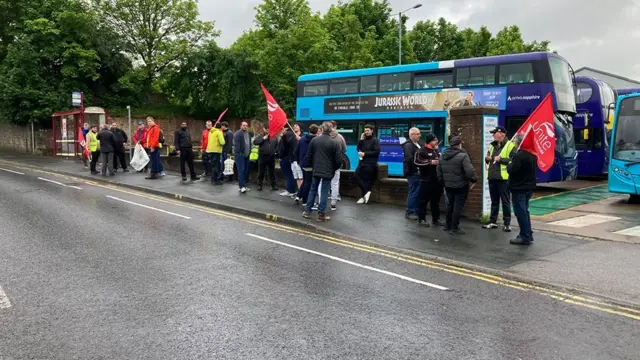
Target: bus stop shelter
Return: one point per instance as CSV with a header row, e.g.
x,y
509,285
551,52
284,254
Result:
x,y
68,125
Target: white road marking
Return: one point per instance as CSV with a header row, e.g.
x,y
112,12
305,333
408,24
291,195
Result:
x,y
11,171
147,207
4,300
634,231
59,183
351,263
587,220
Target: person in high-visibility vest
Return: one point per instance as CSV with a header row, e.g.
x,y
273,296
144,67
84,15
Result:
x,y
497,159
93,145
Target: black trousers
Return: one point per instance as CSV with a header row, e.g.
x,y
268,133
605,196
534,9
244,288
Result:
x,y
499,191
457,199
430,193
366,176
267,164
95,155
186,156
214,159
119,156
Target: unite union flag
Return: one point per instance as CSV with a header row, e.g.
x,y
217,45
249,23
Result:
x,y
277,116
540,135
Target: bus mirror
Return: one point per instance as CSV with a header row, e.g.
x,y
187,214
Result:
x,y
610,111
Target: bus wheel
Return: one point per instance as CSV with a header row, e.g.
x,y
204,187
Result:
x,y
634,199
346,164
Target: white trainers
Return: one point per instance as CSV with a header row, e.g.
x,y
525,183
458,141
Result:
x,y
361,201
243,190
490,226
366,197
285,193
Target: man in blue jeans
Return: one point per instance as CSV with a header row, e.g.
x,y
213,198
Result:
x,y
522,181
324,157
242,141
287,148
410,148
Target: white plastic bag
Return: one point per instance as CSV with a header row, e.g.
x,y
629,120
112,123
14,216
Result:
x,y
140,158
228,167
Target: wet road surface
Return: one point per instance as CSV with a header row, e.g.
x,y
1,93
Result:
x,y
92,272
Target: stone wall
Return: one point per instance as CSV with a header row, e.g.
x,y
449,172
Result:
x,y
19,139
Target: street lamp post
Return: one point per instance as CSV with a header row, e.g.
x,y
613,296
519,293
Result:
x,y
400,31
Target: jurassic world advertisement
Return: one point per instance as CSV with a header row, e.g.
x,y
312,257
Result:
x,y
417,101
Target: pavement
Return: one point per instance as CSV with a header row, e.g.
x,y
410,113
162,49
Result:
x,y
89,270
604,269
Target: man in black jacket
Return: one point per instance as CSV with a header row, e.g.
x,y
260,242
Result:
x,y
324,157
184,147
288,144
522,181
267,152
107,147
456,173
369,152
119,153
227,149
410,170
427,160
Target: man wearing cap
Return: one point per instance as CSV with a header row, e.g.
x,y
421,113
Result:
x,y
456,173
497,159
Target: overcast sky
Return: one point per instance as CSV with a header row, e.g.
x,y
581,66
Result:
x,y
585,32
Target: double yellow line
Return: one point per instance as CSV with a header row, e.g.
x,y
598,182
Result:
x,y
478,275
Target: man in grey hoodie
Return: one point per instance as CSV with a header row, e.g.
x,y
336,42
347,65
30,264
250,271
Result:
x,y
335,181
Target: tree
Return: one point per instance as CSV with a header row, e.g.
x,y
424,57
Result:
x,y
423,40
509,41
475,43
52,57
158,33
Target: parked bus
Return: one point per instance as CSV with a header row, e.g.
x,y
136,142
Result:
x,y
628,91
592,125
396,98
624,163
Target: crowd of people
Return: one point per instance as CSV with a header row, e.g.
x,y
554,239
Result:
x,y
311,163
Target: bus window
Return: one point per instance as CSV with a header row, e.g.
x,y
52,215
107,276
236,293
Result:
x,y
395,82
560,71
476,76
582,139
437,80
316,88
627,132
349,131
368,84
516,73
391,133
583,93
343,86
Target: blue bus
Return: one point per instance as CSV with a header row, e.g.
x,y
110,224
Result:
x,y
624,163
628,91
396,98
592,125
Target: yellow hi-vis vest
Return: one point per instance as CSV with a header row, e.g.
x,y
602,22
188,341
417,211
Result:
x,y
92,141
504,154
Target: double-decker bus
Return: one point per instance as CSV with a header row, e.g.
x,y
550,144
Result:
x,y
624,163
592,124
396,98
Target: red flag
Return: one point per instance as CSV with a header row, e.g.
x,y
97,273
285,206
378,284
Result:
x,y
221,115
83,143
277,116
540,134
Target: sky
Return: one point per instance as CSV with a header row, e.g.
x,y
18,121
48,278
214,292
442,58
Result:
x,y
586,32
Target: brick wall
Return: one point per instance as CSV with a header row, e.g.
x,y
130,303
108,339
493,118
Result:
x,y
467,123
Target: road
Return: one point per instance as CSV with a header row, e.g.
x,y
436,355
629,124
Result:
x,y
90,271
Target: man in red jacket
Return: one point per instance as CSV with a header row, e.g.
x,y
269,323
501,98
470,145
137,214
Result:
x,y
206,158
153,143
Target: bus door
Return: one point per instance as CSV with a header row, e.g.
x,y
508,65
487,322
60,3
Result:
x,y
391,136
350,131
431,126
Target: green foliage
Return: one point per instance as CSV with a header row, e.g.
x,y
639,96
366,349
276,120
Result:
x,y
156,56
